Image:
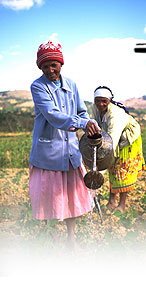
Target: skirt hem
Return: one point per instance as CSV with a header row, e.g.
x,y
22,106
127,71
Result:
x,y
61,219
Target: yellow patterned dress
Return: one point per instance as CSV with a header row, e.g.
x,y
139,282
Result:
x,y
129,161
128,166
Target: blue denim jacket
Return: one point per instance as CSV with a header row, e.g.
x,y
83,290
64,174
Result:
x,y
57,111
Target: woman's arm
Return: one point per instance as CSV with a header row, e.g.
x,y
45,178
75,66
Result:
x,y
58,119
117,120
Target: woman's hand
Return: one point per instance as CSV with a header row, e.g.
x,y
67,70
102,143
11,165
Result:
x,y
92,128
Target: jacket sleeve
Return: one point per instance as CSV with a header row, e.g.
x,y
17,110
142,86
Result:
x,y
132,130
117,120
94,111
58,119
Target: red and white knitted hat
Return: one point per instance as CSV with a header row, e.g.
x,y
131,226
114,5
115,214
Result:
x,y
49,51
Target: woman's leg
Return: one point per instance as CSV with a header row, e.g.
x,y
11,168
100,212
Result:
x,y
121,205
112,202
70,223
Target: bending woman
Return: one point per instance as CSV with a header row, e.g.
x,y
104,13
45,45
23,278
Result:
x,y
125,132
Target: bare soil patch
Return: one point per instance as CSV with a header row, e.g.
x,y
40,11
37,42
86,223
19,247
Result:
x,y
20,234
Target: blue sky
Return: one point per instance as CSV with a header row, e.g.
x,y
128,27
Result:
x,y
97,38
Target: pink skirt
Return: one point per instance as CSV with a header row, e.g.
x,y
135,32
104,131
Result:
x,y
58,194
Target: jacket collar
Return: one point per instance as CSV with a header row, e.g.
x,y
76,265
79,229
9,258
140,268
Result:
x,y
53,87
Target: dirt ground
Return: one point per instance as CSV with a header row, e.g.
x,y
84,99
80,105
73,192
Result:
x,y
21,235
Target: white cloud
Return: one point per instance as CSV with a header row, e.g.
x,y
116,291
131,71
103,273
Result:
x,y
12,51
15,53
145,29
39,2
53,37
14,46
110,62
19,77
20,4
1,57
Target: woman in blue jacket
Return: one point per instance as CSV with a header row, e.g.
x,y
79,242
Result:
x,y
56,184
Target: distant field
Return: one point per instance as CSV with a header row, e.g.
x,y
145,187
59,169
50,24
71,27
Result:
x,y
15,150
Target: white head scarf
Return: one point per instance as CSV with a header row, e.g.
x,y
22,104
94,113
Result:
x,y
103,93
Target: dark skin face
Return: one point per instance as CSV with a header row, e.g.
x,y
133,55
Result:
x,y
102,104
51,69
